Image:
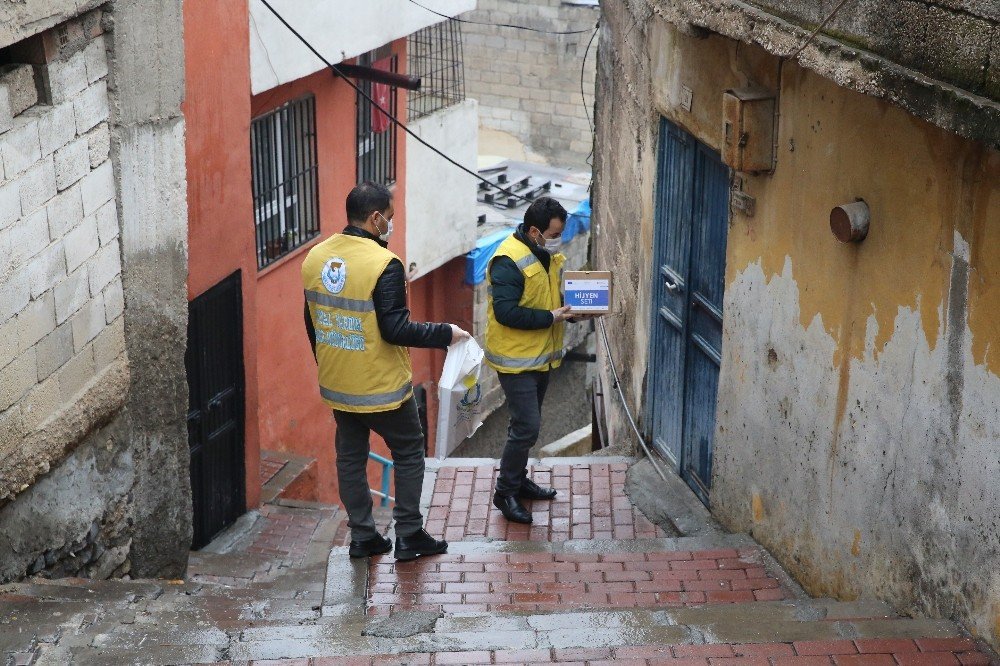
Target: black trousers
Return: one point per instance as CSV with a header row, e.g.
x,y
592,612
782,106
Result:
x,y
400,428
525,392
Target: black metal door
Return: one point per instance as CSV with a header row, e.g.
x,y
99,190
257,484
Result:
x,y
215,416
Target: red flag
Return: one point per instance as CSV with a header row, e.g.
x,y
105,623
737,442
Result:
x,y
380,93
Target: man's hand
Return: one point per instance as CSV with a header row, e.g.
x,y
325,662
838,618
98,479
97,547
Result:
x,y
458,334
560,314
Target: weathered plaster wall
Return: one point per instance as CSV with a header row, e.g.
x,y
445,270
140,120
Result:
x,y
859,402
147,56
862,376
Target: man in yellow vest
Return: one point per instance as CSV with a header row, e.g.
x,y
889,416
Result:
x,y
360,328
524,341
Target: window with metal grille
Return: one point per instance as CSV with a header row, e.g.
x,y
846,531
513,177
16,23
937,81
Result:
x,y
285,188
435,55
376,131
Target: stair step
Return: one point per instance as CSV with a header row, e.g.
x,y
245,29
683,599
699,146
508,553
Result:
x,y
743,624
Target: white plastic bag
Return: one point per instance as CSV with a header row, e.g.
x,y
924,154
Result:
x,y
460,410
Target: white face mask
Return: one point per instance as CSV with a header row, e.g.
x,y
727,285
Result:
x,y
388,228
552,245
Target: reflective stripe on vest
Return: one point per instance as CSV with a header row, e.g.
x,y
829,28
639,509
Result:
x,y
351,304
513,350
377,400
359,371
521,363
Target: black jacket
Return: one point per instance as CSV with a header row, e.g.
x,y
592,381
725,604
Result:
x,y
508,287
390,308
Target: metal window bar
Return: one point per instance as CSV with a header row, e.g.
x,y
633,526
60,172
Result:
x,y
376,150
435,55
284,179
386,467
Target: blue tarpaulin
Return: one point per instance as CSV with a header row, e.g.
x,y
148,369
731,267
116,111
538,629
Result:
x,y
478,260
578,221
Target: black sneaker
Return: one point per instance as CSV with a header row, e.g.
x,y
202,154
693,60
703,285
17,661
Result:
x,y
418,544
377,545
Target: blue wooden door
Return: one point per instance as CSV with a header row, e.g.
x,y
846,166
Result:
x,y
686,342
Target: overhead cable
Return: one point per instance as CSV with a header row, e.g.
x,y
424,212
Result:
x,y
818,29
628,412
501,25
396,121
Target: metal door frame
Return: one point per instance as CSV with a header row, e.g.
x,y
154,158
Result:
x,y
654,337
194,411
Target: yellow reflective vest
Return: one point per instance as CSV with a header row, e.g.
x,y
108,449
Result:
x,y
358,370
514,350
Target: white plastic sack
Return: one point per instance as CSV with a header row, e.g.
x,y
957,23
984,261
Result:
x,y
460,411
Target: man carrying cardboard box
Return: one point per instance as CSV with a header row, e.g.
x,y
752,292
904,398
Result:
x,y
524,341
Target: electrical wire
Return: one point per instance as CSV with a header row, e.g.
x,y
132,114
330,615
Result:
x,y
502,25
396,121
628,412
583,95
817,30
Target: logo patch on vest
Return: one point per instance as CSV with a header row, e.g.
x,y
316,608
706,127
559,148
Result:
x,y
334,275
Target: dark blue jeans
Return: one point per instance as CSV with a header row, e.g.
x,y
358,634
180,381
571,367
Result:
x,y
525,392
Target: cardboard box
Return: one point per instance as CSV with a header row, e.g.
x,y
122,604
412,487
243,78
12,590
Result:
x,y
588,292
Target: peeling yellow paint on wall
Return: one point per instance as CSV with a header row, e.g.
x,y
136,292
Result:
x,y
856,546
920,182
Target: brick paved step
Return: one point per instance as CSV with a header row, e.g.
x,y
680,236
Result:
x,y
591,504
526,581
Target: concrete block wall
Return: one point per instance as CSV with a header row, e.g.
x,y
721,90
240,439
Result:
x,y
528,83
93,467
60,259
63,362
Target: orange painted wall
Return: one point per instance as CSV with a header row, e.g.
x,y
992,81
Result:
x,y
220,212
291,416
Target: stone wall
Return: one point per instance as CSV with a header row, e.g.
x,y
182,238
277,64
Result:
x,y
71,489
528,83
858,405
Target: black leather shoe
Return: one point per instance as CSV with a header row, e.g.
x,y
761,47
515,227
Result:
x,y
418,544
532,491
377,545
512,509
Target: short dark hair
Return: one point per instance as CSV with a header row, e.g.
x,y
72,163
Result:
x,y
541,212
365,199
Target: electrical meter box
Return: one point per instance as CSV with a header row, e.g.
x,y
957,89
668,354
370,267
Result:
x,y
587,292
748,129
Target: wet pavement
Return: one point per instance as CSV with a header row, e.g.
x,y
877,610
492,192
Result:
x,y
592,581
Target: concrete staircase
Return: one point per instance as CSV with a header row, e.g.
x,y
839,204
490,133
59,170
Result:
x,y
591,581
